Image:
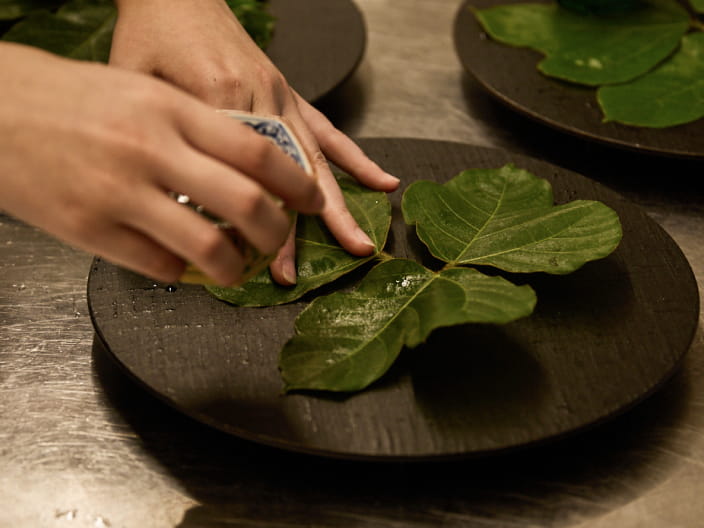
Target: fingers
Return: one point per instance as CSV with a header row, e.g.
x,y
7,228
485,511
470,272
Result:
x,y
245,150
340,221
232,196
337,217
283,267
131,249
181,231
344,152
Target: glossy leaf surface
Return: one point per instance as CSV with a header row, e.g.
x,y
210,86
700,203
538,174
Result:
x,y
506,218
346,341
671,94
320,258
82,29
589,49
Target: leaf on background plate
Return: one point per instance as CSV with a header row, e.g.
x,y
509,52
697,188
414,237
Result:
x,y
346,341
320,258
506,218
82,29
589,49
672,94
13,9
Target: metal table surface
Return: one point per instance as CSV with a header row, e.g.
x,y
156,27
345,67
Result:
x,y
82,446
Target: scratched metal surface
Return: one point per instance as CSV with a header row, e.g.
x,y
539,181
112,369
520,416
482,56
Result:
x,y
80,446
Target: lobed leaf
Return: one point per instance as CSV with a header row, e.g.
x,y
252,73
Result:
x,y
506,218
320,258
346,341
589,49
672,94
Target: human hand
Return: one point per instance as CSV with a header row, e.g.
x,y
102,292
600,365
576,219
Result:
x,y
201,47
90,153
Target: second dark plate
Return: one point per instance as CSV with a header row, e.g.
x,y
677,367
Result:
x,y
317,44
510,74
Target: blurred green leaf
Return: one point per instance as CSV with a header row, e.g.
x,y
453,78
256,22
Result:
x,y
698,5
82,29
671,94
589,49
14,9
255,18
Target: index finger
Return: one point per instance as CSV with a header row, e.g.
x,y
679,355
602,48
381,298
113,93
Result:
x,y
240,147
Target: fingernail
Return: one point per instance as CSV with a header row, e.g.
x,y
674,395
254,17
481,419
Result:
x,y
288,270
392,178
364,238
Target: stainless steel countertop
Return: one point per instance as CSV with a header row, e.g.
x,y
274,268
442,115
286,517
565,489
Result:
x,y
81,446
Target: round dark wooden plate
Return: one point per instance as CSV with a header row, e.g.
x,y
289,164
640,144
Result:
x,y
601,339
317,44
510,75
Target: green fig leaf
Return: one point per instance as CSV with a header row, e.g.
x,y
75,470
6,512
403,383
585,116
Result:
x,y
698,5
320,258
14,9
589,49
672,94
506,218
82,29
346,341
